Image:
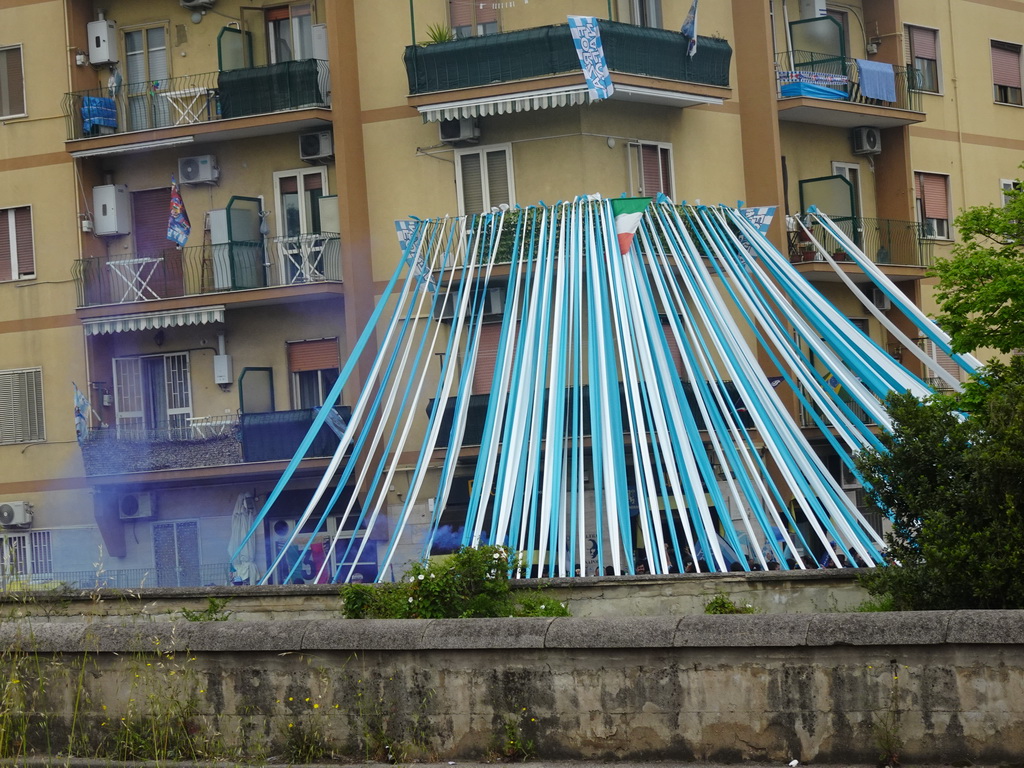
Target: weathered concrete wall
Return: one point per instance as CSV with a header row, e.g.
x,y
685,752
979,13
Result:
x,y
677,595
950,685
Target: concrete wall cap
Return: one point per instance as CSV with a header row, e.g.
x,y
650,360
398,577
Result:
x,y
625,632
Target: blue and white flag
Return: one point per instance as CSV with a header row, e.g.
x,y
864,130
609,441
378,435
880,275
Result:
x,y
404,228
81,413
689,29
178,225
587,37
761,217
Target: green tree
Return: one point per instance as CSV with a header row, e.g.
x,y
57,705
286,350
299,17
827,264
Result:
x,y
981,286
952,475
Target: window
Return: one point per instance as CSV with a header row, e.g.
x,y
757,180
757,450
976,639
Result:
x,y
923,56
931,191
17,255
313,366
469,18
1007,186
645,13
651,168
176,554
298,196
25,554
153,397
21,406
290,32
12,82
483,178
146,72
843,19
1006,73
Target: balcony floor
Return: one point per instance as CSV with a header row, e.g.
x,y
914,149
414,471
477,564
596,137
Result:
x,y
841,114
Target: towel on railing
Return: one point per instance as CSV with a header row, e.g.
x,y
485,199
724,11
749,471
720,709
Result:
x,y
98,111
877,80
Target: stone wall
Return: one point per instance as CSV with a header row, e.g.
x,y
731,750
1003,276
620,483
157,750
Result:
x,y
814,687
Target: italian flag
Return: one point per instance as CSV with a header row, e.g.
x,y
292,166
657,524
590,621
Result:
x,y
627,212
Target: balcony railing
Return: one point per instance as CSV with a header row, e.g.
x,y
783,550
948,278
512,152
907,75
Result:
x,y
205,574
884,241
192,99
819,75
541,51
202,269
276,435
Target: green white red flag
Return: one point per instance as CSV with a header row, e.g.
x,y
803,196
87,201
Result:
x,y
628,211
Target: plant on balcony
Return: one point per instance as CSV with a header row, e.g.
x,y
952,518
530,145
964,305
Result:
x,y
438,33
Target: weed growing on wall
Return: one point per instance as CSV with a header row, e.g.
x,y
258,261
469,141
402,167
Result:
x,y
511,743
214,610
886,726
471,583
723,604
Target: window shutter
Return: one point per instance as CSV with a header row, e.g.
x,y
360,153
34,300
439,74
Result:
x,y
472,183
5,247
497,178
934,198
922,43
313,355
23,241
673,348
486,12
12,92
1006,65
486,357
21,406
460,13
650,172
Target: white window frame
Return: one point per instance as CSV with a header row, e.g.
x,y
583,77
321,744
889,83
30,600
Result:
x,y
13,242
938,56
24,93
131,422
843,169
296,37
947,234
11,431
304,214
484,180
1006,185
635,149
1020,67
646,13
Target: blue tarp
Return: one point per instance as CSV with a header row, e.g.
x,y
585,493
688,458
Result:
x,y
790,90
98,111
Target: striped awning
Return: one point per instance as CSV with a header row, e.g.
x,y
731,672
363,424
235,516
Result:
x,y
151,321
568,96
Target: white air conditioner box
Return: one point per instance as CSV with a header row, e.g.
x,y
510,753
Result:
x,y
135,506
111,210
866,140
102,42
463,129
200,169
15,514
318,145
880,300
812,9
222,373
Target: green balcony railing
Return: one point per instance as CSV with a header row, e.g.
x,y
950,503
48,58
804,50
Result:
x,y
884,241
820,75
541,51
195,270
200,98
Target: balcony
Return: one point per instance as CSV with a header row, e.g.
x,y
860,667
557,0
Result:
x,y
826,90
521,68
207,269
191,442
195,99
886,242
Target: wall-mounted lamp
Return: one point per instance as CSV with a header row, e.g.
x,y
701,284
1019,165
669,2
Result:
x,y
197,16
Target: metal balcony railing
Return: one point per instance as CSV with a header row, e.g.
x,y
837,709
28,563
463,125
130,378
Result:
x,y
203,269
200,98
819,75
549,50
207,574
884,241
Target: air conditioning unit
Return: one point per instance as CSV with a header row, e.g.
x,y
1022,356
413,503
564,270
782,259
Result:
x,y
866,140
135,506
197,4
201,169
15,514
318,145
880,300
457,131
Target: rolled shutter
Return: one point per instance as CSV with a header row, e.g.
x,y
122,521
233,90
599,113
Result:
x,y
460,13
650,160
23,241
313,355
12,94
5,247
922,42
933,194
472,183
1006,65
497,177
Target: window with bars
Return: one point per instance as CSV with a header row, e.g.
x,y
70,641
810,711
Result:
x,y
25,554
17,252
21,406
12,82
471,18
1006,77
931,191
651,168
923,56
483,178
313,366
153,397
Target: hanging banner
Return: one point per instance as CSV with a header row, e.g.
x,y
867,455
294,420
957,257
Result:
x,y
760,217
587,37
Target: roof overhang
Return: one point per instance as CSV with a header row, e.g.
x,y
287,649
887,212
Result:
x,y
562,96
151,321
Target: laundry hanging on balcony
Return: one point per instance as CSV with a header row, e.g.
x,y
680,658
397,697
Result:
x,y
605,410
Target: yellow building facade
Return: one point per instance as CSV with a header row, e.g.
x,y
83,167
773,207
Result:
x,y
298,133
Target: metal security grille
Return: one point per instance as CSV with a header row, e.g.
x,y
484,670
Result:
x,y
176,553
